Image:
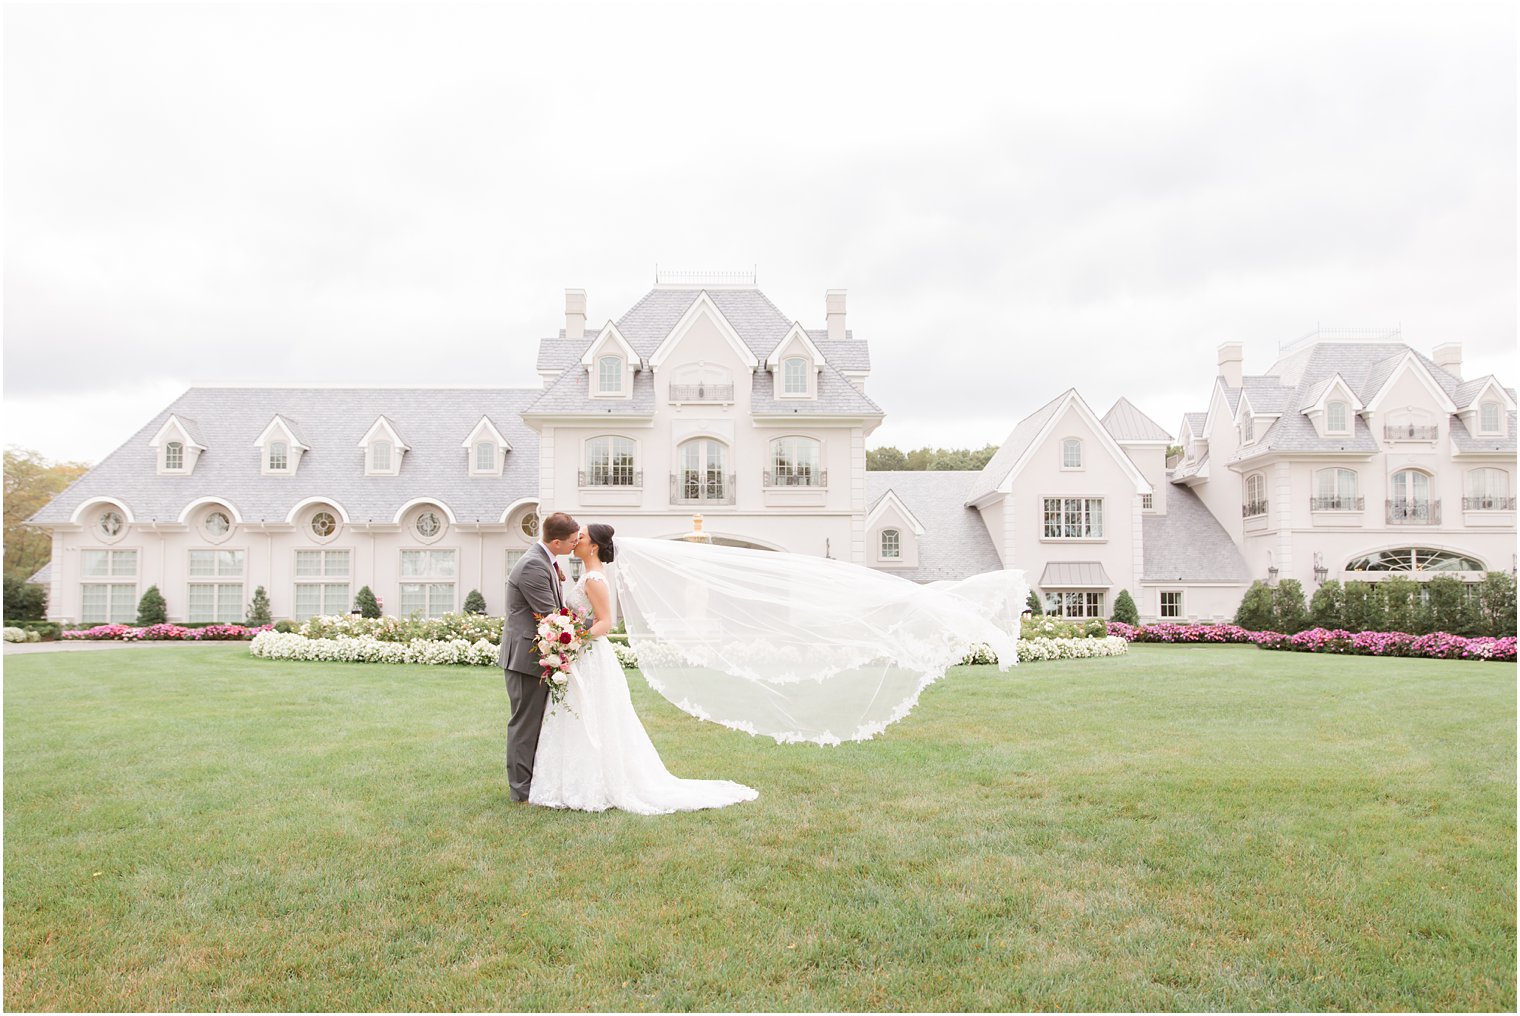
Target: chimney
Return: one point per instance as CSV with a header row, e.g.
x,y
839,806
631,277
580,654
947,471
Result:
x,y
1231,359
575,313
1448,356
834,302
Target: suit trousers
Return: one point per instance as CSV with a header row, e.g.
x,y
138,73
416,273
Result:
x,y
529,696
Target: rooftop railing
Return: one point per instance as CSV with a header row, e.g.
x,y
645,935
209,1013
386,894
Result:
x,y
1342,335
701,393
1410,432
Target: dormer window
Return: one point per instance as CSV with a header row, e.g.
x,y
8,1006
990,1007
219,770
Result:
x,y
280,448
380,457
1336,421
177,445
796,376
609,375
174,456
1071,453
485,448
891,544
1488,417
383,449
279,456
485,457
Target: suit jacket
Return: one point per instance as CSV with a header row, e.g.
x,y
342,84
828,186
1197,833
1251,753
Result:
x,y
531,589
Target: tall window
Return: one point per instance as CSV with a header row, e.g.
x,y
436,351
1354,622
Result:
x,y
1335,490
427,582
174,455
795,463
212,597
796,374
322,583
279,456
1335,418
1073,518
1410,486
108,593
891,544
1071,453
380,456
609,375
1171,603
1256,496
485,457
1488,417
704,472
609,462
1074,604
1487,490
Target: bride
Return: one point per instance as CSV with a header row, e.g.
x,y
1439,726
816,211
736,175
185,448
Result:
x,y
593,753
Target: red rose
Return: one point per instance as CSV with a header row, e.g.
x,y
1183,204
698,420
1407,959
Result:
x,y
565,611
565,637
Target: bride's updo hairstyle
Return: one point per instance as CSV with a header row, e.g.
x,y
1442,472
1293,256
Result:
x,y
601,535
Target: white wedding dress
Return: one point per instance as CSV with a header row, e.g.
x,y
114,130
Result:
x,y
593,753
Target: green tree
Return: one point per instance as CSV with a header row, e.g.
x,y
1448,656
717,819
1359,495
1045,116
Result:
x,y
1327,607
1401,604
1494,605
30,483
1255,612
24,601
1449,607
1125,611
152,609
1035,606
1362,607
881,459
258,610
365,603
1288,611
475,603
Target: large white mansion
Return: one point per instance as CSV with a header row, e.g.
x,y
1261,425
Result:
x,y
1347,457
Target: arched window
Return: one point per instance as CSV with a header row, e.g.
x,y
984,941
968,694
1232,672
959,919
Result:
x,y
794,463
796,370
1488,417
1256,496
380,456
609,375
1409,499
1071,453
1335,491
485,457
703,475
1488,490
279,456
610,462
174,455
1413,559
1336,421
891,544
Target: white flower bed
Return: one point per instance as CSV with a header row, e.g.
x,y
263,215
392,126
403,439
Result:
x,y
21,635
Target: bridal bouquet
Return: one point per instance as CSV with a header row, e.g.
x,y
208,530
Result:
x,y
561,638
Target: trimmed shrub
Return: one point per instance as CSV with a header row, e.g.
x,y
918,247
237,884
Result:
x,y
152,609
1362,607
46,631
1125,611
1256,608
1494,604
1327,608
24,601
475,603
1288,611
1448,607
366,604
1035,606
1401,604
258,610
285,626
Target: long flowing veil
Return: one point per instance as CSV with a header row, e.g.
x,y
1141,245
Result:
x,y
801,648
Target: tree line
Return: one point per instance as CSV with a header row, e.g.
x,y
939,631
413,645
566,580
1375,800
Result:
x,y
889,457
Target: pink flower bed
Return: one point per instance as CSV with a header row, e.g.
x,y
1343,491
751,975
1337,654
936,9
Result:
x,y
1436,646
166,633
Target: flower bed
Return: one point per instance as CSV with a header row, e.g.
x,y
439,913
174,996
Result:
x,y
448,628
273,645
166,633
1436,646
21,635
1183,633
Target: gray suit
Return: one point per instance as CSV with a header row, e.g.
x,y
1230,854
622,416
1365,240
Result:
x,y
532,588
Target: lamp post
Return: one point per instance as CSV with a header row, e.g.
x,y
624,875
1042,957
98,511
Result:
x,y
1320,571
1272,570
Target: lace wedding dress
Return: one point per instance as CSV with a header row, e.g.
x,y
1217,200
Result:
x,y
593,753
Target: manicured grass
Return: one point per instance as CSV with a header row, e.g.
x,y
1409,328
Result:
x,y
1188,827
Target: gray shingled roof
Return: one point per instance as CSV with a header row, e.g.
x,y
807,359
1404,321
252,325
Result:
x,y
1196,421
1187,544
434,422
1002,462
571,393
1267,395
562,353
758,322
846,355
836,396
1463,440
1074,574
955,543
43,575
1126,423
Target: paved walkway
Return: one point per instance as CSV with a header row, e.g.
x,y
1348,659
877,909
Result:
x,y
90,645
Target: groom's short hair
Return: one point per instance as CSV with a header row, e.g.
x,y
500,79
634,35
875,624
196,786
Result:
x,y
560,526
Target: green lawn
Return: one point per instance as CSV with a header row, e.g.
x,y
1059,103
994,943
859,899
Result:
x,y
1184,828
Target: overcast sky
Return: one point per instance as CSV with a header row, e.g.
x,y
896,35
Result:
x,y
1019,199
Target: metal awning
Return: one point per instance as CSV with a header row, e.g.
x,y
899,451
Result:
x,y
1075,575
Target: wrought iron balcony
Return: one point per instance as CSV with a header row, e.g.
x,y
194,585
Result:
x,y
1414,513
796,478
1251,509
1337,504
1488,504
1410,432
610,478
701,393
701,487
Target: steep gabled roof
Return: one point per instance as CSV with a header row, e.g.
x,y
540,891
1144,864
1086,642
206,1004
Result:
x,y
955,543
1034,428
836,397
1126,423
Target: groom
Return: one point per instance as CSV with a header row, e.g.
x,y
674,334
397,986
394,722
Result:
x,y
534,587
